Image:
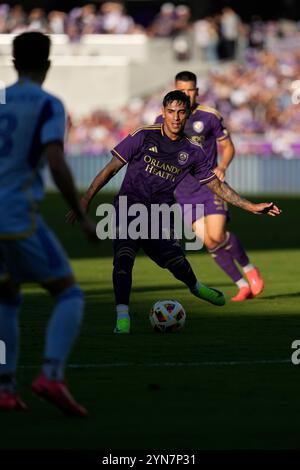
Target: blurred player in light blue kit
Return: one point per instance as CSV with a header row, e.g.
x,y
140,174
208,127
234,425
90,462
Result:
x,y
32,127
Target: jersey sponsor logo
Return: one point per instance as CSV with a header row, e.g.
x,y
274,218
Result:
x,y
165,170
198,126
198,139
153,149
183,158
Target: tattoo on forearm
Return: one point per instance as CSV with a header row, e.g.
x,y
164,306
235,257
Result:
x,y
223,190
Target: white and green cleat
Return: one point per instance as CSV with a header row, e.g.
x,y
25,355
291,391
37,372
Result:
x,y
122,326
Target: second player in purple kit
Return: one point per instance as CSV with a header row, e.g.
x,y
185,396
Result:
x,y
152,180
206,126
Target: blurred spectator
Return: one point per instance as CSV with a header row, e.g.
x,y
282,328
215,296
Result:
x,y
229,32
16,20
4,9
182,42
163,24
37,20
114,20
56,22
256,33
89,23
206,38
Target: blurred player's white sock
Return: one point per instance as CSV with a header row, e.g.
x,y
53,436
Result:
x,y
242,283
122,311
62,330
248,267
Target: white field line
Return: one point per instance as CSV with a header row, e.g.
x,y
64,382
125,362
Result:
x,y
172,364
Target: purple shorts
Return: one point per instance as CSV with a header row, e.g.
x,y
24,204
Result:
x,y
213,204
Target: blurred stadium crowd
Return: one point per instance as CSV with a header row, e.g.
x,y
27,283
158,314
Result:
x,y
258,99
252,78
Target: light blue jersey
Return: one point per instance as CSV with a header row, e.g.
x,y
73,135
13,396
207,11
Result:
x,y
30,119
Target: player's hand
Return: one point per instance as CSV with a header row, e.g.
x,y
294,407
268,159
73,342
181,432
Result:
x,y
268,208
219,171
71,217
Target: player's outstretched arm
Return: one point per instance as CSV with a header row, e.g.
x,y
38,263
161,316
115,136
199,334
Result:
x,y
64,182
102,178
227,193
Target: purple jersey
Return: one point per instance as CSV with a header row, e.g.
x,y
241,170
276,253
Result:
x,y
157,164
205,126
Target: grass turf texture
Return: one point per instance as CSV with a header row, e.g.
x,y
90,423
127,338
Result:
x,y
174,391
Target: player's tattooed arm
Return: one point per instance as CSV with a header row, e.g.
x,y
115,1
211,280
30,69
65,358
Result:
x,y
223,190
102,178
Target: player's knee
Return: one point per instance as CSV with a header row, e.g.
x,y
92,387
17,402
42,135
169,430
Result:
x,y
213,241
58,286
124,260
72,292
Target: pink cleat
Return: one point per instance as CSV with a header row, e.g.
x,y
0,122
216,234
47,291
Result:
x,y
58,394
255,281
10,401
243,294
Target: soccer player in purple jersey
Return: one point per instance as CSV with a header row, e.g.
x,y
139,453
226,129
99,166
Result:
x,y
205,125
159,157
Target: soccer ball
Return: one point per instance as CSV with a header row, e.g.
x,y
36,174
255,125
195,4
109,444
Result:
x,y
167,316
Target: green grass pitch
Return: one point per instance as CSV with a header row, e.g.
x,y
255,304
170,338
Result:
x,y
224,382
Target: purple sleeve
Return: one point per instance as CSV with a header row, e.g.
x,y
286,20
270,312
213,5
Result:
x,y
159,119
203,169
219,129
129,146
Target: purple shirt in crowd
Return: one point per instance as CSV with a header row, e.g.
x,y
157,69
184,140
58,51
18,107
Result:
x,y
205,126
157,164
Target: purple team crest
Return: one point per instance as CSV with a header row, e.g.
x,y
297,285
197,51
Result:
x,y
198,126
183,158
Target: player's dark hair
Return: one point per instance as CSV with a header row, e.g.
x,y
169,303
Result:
x,y
31,50
178,96
186,76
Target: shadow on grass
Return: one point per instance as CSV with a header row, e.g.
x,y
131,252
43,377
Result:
x,y
280,296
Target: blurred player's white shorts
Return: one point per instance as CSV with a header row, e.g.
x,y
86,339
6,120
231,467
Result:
x,y
38,258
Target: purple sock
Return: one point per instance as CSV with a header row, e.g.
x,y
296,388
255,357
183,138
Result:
x,y
236,250
224,259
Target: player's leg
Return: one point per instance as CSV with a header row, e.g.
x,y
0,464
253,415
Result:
x,y
226,249
217,242
40,258
63,328
252,273
168,254
124,257
10,301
